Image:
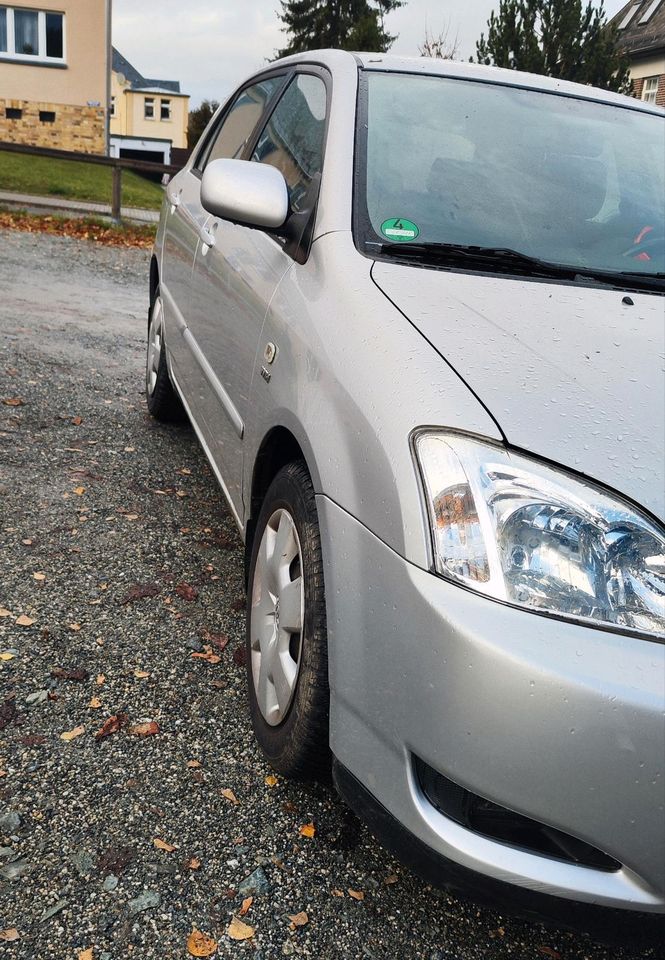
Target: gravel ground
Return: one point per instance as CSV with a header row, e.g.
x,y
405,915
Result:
x,y
117,548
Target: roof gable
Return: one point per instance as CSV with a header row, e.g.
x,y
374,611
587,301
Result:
x,y
136,80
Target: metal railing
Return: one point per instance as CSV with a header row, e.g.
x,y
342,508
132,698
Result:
x,y
117,164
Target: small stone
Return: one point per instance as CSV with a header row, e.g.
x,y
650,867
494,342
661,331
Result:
x,y
195,644
145,901
6,853
288,948
51,911
83,862
34,699
9,822
19,868
110,883
255,884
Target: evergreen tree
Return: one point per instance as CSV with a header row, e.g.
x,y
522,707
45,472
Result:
x,y
558,38
198,121
342,24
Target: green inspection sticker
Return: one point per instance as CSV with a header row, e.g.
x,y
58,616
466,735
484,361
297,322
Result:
x,y
399,230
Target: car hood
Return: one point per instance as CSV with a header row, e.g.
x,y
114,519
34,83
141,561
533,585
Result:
x,y
572,373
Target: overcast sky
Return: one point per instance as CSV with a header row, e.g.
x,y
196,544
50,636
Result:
x,y
210,46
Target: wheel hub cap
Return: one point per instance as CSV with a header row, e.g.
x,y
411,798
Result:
x,y
276,617
154,346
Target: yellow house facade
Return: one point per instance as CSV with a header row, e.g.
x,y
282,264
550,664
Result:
x,y
148,117
55,73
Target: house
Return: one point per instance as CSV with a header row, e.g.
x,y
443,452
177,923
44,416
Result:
x,y
148,117
641,26
55,73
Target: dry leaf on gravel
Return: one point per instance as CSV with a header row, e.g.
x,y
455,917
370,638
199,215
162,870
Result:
x,y
193,764
138,591
200,944
101,679
13,402
336,892
6,655
308,830
163,845
79,491
72,734
298,919
393,878
240,655
9,935
237,930
141,674
549,952
78,674
85,954
207,655
24,621
356,894
39,576
75,627
112,725
193,863
271,780
229,795
77,421
4,612
218,640
186,591
246,904
95,703
147,729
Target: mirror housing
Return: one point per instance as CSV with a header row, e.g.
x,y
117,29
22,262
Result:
x,y
246,192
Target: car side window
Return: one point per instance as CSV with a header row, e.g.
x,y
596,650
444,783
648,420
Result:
x,y
292,139
230,138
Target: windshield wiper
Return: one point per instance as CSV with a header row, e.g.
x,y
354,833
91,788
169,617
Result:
x,y
505,260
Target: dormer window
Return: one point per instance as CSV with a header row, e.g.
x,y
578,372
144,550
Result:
x,y
149,108
649,12
32,35
629,15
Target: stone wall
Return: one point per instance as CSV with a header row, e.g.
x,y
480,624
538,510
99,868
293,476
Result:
x,y
74,128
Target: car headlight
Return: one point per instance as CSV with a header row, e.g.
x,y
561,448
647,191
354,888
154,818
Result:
x,y
520,531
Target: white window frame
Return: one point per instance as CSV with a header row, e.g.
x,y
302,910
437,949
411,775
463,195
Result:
x,y
650,89
146,101
629,15
649,12
40,57
165,102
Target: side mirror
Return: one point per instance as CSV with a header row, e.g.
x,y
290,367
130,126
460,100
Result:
x,y
246,192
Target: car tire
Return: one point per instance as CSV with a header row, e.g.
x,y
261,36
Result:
x,y
286,644
163,401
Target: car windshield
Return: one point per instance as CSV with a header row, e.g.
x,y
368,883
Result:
x,y
570,181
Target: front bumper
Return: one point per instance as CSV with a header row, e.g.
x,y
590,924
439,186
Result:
x,y
561,723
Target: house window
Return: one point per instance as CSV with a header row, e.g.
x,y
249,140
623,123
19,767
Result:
x,y
629,16
165,110
650,89
649,12
112,107
47,116
149,108
30,35
13,113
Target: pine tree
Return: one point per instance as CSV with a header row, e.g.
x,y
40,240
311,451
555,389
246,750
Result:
x,y
558,38
341,24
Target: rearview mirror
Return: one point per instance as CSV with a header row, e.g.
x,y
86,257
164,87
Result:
x,y
246,192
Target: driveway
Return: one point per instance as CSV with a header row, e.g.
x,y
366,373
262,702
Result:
x,y
122,613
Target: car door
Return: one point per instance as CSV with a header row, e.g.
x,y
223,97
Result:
x,y
186,220
238,269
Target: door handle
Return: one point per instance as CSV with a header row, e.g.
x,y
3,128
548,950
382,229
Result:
x,y
207,237
173,198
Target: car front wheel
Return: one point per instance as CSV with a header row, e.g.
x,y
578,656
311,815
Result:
x,y
161,397
287,653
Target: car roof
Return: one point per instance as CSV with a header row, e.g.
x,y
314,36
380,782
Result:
x,y
340,60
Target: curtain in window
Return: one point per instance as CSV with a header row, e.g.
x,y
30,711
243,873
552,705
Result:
x,y
26,32
3,30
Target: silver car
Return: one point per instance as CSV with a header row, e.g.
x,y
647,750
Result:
x,y
414,312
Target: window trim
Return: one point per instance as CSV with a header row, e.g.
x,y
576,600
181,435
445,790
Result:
x,y
146,101
165,102
201,156
40,58
645,95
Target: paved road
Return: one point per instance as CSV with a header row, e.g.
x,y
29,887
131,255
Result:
x,y
115,543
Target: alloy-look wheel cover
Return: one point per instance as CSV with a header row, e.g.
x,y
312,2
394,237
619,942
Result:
x,y
155,339
276,617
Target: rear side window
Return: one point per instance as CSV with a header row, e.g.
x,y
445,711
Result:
x,y
292,140
230,138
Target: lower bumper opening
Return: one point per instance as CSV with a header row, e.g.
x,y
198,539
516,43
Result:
x,y
505,826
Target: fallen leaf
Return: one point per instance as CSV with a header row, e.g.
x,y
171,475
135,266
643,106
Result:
x,y
229,795
7,712
186,591
13,402
185,471
271,780
207,655
237,930
39,576
112,725
72,734
4,612
27,542
79,491
6,655
356,894
141,674
85,954
147,729
131,516
77,674
101,679
24,621
298,919
140,590
308,830
240,655
77,421
246,904
393,878
200,944
9,935
95,703
218,640
163,845
549,952
75,627
193,863
336,892
193,764
115,860
3,773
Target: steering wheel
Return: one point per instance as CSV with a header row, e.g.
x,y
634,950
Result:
x,y
650,242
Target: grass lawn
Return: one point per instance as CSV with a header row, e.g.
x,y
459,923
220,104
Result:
x,y
74,180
